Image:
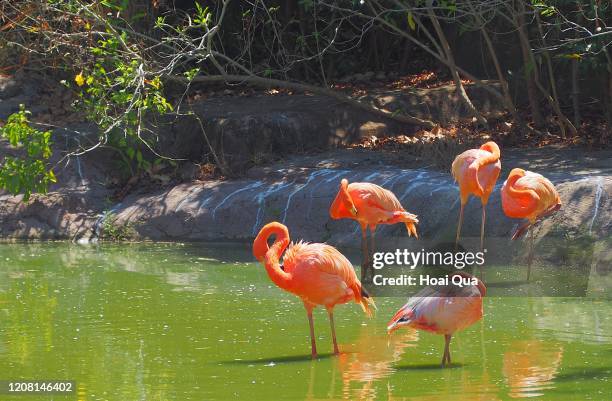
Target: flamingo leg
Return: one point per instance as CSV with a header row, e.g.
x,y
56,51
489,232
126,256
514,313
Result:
x,y
521,230
313,344
482,230
459,226
330,312
372,248
530,257
448,354
446,358
365,259
482,226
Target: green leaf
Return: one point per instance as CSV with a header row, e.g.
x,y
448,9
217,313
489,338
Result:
x,y
411,22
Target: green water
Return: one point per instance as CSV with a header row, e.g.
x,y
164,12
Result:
x,y
194,322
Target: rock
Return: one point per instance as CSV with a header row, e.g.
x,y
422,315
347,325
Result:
x,y
249,131
298,191
373,128
9,87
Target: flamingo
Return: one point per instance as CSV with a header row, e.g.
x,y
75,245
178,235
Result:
x,y
370,205
442,310
317,273
531,196
476,171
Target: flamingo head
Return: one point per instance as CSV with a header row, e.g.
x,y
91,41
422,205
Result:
x,y
260,244
343,206
402,317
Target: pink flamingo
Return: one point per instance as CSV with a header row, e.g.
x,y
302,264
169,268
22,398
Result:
x,y
531,196
476,171
442,310
317,273
370,205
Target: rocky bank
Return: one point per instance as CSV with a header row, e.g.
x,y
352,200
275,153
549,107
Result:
x,y
296,190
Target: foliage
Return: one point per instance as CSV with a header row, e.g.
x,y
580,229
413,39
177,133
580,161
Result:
x,y
114,230
122,55
117,94
29,172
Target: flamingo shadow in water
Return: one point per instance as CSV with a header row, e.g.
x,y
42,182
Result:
x,y
429,366
279,359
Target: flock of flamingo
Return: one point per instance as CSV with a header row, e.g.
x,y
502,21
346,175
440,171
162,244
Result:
x,y
320,275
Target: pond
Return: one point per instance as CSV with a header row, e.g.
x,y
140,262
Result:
x,y
204,322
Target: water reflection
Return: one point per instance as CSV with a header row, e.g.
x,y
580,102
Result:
x,y
584,320
161,322
530,367
371,361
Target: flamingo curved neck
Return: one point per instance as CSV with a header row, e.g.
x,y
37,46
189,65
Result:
x,y
343,206
494,155
270,256
513,191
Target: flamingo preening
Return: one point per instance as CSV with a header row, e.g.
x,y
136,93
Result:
x,y
317,273
442,310
531,196
476,171
370,205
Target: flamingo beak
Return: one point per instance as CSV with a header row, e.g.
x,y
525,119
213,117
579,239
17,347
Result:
x,y
401,318
392,327
346,198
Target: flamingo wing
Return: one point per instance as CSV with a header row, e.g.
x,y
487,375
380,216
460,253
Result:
x,y
546,191
323,257
442,310
383,207
530,196
374,195
322,274
477,170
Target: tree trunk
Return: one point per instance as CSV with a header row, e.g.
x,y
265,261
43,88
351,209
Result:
x,y
500,74
529,65
554,100
453,67
608,96
575,93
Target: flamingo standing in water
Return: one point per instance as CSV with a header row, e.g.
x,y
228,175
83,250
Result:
x,y
443,310
317,273
476,171
370,205
531,196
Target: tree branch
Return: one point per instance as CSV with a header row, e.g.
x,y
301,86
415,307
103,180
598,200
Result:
x,y
261,81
